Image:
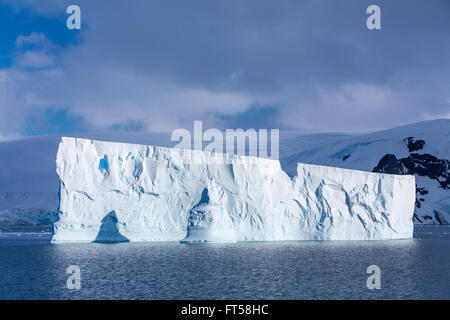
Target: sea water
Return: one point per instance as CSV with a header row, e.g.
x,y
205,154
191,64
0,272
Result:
x,y
33,268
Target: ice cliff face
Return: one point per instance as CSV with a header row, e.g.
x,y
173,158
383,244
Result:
x,y
125,192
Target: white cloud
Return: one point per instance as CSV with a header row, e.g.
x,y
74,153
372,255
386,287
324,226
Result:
x,y
35,59
34,38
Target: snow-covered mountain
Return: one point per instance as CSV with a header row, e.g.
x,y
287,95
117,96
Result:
x,y
29,184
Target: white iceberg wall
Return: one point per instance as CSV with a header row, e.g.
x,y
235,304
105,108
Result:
x,y
343,204
125,192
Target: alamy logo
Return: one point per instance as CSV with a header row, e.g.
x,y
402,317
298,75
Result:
x,y
74,280
250,142
74,20
373,22
374,280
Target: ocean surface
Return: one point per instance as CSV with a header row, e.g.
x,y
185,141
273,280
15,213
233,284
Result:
x,y
33,268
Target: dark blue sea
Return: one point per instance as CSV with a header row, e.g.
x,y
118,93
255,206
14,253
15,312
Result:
x,y
33,268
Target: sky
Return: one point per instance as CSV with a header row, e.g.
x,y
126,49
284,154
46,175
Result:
x,y
153,66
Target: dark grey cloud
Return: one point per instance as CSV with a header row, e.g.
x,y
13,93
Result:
x,y
163,64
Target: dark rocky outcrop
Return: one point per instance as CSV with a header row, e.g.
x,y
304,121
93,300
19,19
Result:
x,y
425,165
414,145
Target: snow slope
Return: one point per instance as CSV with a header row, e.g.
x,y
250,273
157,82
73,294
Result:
x,y
128,192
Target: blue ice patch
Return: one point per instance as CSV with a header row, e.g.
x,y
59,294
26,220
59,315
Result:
x,y
103,164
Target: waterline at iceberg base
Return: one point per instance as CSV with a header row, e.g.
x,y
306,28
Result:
x,y
117,192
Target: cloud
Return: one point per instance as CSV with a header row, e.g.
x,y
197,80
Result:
x,y
100,95
34,39
255,117
352,106
35,59
9,138
159,65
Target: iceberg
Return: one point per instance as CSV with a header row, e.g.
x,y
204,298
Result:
x,y
118,192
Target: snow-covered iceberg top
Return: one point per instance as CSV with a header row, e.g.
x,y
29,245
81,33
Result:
x,y
126,192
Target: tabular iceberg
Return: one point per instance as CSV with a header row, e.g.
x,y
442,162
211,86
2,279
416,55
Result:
x,y
113,192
